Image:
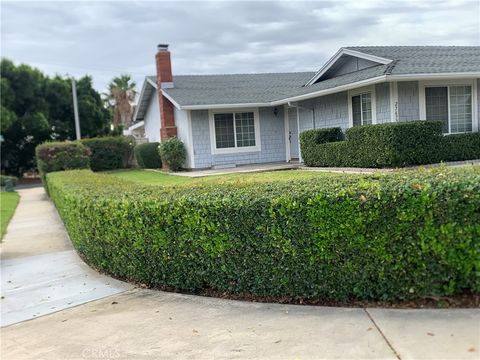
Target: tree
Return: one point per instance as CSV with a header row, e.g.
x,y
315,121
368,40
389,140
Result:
x,y
120,97
36,108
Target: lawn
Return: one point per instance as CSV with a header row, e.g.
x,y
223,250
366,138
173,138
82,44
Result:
x,y
159,178
8,203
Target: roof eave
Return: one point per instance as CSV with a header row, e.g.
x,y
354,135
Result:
x,y
142,93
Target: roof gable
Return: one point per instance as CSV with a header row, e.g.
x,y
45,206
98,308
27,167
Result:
x,y
347,60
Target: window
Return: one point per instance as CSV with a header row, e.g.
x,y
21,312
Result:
x,y
362,109
235,131
452,105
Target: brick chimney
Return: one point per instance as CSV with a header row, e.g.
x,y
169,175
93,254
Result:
x,y
165,81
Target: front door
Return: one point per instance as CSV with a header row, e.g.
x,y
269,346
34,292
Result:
x,y
293,132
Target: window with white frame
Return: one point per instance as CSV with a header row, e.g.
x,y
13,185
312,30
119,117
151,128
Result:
x,y
362,109
451,104
234,130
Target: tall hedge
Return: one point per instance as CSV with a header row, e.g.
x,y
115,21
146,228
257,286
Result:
x,y
147,155
110,152
387,145
394,236
59,156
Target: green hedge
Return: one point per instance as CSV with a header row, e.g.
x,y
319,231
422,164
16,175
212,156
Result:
x,y
59,156
173,153
461,147
393,236
147,155
109,153
388,145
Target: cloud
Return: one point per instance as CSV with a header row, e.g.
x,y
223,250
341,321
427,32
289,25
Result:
x,y
105,38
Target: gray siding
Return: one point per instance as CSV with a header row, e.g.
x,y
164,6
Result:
x,y
349,65
272,138
330,111
382,94
408,107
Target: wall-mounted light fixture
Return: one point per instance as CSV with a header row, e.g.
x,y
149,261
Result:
x,y
275,111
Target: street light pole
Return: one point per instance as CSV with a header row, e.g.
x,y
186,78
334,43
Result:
x,y
75,109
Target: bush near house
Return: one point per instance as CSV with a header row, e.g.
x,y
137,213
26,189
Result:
x,y
387,145
173,153
147,155
5,178
392,236
110,152
59,156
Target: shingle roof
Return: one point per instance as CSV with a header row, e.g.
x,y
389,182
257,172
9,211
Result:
x,y
427,59
235,88
196,90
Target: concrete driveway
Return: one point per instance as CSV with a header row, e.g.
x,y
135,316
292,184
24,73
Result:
x,y
43,282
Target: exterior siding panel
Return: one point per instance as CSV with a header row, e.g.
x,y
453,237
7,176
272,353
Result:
x,y
152,119
408,106
330,111
382,94
272,138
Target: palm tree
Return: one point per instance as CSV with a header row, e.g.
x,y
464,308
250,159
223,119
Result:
x,y
121,98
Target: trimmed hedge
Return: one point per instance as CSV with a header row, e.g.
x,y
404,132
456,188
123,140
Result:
x,y
461,147
147,155
387,145
393,236
59,156
109,153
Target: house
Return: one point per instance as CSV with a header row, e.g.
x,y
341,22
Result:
x,y
229,120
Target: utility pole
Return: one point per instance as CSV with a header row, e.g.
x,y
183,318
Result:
x,y
75,109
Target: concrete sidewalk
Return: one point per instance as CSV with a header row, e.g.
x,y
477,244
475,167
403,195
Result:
x,y
41,273
147,324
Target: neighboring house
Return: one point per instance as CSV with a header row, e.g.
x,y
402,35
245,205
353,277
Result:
x,y
227,120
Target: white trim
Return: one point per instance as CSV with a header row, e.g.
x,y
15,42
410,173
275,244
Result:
x,y
433,76
144,86
164,93
226,106
151,82
447,83
300,159
235,149
334,90
393,101
190,148
136,125
360,91
337,56
286,125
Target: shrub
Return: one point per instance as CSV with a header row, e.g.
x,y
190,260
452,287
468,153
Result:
x,y
59,156
459,147
173,153
109,153
388,145
5,178
395,144
393,236
147,155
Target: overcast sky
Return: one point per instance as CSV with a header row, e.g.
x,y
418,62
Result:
x,y
104,39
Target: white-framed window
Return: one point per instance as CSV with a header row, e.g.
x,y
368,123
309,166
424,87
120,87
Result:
x,y
362,106
234,131
452,102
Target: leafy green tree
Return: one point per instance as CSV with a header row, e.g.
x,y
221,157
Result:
x,y
36,108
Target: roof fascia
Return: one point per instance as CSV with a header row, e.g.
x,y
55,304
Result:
x,y
142,92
